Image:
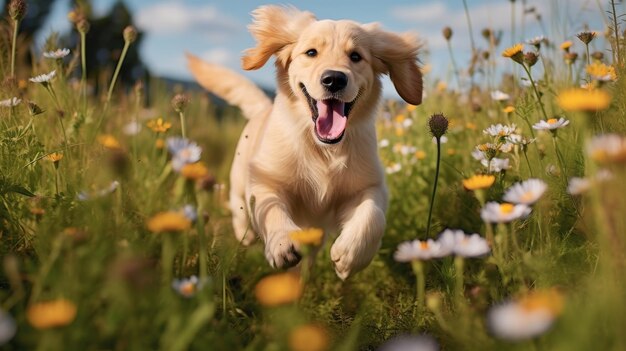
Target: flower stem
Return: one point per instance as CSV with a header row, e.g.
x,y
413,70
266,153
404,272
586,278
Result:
x,y
182,124
459,272
83,62
617,35
16,25
530,169
559,157
117,72
418,269
454,68
167,257
532,82
50,90
432,198
471,35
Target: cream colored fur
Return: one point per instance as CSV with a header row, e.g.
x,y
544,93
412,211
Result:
x,y
283,178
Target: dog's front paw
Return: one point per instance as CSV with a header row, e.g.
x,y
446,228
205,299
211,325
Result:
x,y
281,252
352,253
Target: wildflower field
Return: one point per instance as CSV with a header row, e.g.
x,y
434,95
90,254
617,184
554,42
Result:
x,y
505,228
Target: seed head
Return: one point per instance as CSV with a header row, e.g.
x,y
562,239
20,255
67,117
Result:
x,y
438,124
570,57
130,34
180,102
597,55
17,9
83,26
487,34
447,33
586,37
530,58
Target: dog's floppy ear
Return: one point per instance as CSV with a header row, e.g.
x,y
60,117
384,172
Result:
x,y
396,55
276,29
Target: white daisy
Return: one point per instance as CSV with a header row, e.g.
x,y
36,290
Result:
x,y
499,95
526,192
12,102
44,78
478,155
551,124
183,152
410,343
7,327
536,41
394,168
383,143
407,149
500,130
494,212
464,245
525,318
57,54
496,164
407,123
132,128
417,250
187,287
607,148
517,139
577,185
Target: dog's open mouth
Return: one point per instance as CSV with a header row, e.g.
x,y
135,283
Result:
x,y
330,117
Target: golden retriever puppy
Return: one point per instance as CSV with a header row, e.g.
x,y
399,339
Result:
x,y
310,158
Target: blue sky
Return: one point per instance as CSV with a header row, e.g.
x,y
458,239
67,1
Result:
x,y
216,30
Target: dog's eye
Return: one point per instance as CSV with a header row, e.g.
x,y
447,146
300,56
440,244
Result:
x,y
311,53
355,57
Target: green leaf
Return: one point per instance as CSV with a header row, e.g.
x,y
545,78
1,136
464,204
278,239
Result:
x,y
20,190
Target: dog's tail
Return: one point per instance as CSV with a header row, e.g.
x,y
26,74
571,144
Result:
x,y
230,86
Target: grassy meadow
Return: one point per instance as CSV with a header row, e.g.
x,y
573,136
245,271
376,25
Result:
x,y
115,235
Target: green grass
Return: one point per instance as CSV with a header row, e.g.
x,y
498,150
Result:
x,y
110,266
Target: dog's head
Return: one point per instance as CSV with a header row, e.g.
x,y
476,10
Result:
x,y
331,68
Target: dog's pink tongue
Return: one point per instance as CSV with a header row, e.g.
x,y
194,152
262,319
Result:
x,y
331,122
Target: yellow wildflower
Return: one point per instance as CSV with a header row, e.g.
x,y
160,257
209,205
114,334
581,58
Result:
x,y
441,87
602,72
508,109
420,155
577,99
479,181
109,142
57,313
470,126
194,171
566,45
54,157
168,222
410,108
278,289
308,337
515,53
158,126
159,143
312,236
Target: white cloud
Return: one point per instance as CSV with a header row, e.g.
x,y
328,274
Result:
x,y
419,13
177,17
221,56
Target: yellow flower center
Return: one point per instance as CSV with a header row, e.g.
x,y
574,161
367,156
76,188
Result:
x,y
188,288
278,289
552,121
478,182
550,300
506,208
424,245
528,196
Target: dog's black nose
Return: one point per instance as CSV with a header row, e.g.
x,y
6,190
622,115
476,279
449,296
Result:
x,y
334,81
